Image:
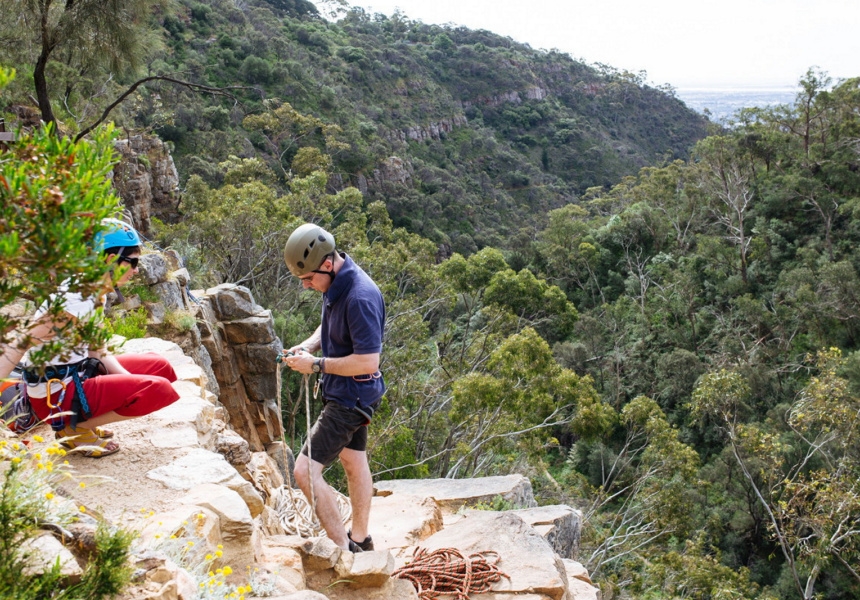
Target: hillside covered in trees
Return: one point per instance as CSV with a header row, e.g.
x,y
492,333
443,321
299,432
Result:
x,y
488,134
658,327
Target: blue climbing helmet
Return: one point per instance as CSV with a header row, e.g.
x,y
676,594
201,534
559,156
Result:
x,y
116,233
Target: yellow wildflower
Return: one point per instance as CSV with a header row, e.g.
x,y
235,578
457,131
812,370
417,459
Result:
x,y
38,438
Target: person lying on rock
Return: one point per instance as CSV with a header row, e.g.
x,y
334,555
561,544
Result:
x,y
350,337
93,388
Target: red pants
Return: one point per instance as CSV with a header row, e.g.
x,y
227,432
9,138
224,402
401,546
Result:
x,y
146,390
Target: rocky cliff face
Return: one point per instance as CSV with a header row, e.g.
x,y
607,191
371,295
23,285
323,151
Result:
x,y
146,179
206,483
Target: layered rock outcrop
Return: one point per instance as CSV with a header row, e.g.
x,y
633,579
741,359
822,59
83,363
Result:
x,y
146,179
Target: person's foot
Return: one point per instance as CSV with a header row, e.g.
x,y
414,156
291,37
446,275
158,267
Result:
x,y
87,442
365,546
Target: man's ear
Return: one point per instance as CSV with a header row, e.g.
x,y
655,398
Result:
x,y
109,258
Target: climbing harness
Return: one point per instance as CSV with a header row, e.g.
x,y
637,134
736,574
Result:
x,y
62,374
296,514
446,572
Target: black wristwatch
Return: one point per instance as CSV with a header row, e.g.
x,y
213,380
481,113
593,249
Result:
x,y
317,368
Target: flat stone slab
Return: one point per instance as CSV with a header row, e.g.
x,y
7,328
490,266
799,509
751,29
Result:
x,y
529,560
400,520
141,345
197,467
453,494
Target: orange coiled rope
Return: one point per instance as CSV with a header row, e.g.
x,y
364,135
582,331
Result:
x,y
446,572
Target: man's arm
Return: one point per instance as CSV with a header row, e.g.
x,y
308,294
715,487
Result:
x,y
353,364
312,344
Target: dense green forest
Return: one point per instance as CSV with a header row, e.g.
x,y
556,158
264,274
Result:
x,y
659,327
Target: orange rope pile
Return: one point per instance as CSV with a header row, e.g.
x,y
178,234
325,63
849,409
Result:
x,y
446,572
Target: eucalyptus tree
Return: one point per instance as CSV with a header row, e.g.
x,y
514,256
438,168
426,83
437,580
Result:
x,y
69,40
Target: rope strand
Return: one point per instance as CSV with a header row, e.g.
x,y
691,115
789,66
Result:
x,y
297,515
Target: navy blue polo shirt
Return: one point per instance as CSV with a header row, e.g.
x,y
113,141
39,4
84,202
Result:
x,y
353,317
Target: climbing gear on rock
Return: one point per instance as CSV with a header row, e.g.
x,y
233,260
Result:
x,y
88,442
446,572
307,248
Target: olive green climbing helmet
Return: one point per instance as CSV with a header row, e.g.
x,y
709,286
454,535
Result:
x,y
307,248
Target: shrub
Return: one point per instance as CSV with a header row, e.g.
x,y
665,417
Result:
x,y
130,325
27,499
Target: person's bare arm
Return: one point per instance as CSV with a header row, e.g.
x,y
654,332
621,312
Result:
x,y
12,353
311,344
354,364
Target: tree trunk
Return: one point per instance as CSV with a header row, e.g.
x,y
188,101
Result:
x,y
41,85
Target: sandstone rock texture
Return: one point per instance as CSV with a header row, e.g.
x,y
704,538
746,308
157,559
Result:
x,y
454,494
146,179
239,336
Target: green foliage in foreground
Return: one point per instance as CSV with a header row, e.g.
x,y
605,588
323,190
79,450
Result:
x,y
27,501
53,195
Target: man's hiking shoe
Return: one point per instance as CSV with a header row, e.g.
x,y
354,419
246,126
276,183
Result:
x,y
365,546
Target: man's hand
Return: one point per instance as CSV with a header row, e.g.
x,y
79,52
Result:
x,y
299,360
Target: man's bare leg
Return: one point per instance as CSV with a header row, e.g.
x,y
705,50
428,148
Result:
x,y
326,503
360,490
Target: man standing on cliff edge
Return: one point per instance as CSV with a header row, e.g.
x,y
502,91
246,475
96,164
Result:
x,y
350,337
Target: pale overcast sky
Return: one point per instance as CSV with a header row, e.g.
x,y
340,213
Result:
x,y
705,43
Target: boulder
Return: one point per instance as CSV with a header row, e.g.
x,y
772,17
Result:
x,y
283,456
196,467
152,268
261,388
393,589
319,553
529,560
365,569
233,447
191,372
576,570
235,400
190,530
170,294
142,345
259,329
232,302
224,363
265,474
579,584
454,494
235,517
559,524
44,551
181,276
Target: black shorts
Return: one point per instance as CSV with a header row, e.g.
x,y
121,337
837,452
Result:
x,y
336,428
